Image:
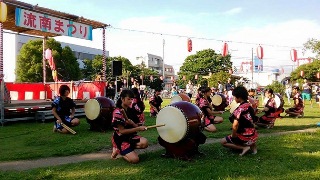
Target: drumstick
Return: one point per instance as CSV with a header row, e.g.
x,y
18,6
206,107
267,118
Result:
x,y
124,114
68,128
153,126
193,120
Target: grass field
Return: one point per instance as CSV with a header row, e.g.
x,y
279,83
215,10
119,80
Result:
x,y
294,156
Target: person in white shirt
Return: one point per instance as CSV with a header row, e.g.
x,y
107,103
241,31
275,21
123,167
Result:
x,y
220,87
189,89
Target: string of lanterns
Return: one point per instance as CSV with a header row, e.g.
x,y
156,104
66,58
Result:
x,y
225,50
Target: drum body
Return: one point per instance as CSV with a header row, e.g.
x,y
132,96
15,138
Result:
x,y
182,119
219,102
99,113
180,97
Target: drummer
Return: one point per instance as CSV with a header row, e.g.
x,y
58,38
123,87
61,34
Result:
x,y
138,107
297,109
253,100
244,136
125,138
267,120
198,96
155,103
207,110
61,107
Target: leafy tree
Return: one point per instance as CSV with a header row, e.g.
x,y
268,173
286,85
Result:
x,y
69,66
29,63
277,87
310,72
202,63
221,76
314,46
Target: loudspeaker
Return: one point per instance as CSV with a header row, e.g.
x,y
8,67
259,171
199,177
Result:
x,y
116,68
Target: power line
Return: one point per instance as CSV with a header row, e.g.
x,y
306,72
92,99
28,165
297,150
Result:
x,y
202,38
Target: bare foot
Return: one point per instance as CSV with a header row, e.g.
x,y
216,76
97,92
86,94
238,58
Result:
x,y
115,153
254,149
245,150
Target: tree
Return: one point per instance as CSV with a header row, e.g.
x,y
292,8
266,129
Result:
x,y
202,63
29,62
310,72
277,87
221,76
314,46
69,66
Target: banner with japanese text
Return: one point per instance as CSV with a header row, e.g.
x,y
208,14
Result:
x,y
46,23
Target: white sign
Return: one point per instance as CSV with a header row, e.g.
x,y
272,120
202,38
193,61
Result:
x,y
46,23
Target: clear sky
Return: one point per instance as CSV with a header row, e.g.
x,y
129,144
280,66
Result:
x,y
279,25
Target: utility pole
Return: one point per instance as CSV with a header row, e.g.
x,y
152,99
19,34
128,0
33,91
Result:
x,y
252,68
163,59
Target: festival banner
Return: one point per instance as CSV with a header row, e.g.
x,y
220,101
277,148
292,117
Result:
x,y
46,23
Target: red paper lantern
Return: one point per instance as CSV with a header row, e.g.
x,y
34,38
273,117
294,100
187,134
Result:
x,y
224,50
196,76
48,54
260,52
189,45
294,55
318,75
301,73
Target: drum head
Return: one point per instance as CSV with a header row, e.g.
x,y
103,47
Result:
x,y
92,109
216,100
175,98
277,100
233,106
175,128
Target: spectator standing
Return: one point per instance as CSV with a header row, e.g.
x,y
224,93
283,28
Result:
x,y
189,89
306,92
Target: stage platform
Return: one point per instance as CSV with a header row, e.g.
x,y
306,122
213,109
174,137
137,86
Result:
x,y
28,110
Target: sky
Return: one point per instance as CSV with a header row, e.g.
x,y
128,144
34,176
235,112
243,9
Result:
x,y
138,27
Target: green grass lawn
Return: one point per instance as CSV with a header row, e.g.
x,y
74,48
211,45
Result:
x,y
294,156
31,140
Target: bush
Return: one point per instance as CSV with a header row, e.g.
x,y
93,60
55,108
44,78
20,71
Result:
x,y
277,87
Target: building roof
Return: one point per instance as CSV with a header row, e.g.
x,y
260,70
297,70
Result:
x,y
13,4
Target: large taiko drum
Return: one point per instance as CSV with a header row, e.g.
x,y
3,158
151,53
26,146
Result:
x,y
233,105
219,102
182,119
180,97
277,98
99,113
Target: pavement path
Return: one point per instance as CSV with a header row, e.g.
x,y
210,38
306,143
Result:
x,y
102,155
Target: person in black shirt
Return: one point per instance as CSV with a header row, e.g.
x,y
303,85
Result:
x,y
61,107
